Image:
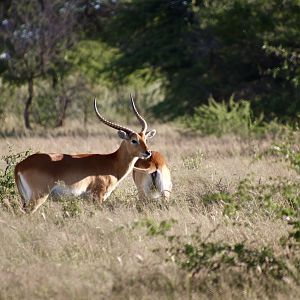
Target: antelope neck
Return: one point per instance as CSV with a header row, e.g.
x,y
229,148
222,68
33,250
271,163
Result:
x,y
126,161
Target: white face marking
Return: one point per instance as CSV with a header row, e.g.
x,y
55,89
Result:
x,y
25,188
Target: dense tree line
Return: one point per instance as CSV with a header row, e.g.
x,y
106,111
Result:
x,y
195,49
219,48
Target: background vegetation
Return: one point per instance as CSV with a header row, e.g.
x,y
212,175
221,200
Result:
x,y
175,55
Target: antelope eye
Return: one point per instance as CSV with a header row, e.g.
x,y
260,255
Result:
x,y
134,142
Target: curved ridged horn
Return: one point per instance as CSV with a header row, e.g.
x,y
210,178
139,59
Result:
x,y
140,118
108,123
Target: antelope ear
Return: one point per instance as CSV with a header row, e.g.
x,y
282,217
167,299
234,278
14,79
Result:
x,y
123,135
150,134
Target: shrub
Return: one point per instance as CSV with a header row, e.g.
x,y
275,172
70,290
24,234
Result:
x,y
209,264
71,206
212,257
288,150
8,192
154,228
279,197
221,118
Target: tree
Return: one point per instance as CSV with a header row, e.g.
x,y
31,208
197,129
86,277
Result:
x,y
219,48
35,35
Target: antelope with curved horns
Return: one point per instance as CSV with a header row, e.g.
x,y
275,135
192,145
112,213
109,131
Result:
x,y
97,175
152,177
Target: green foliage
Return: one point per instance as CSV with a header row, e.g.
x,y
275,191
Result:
x,y
233,117
154,228
201,48
188,49
34,38
213,258
295,233
289,69
274,128
45,110
288,150
89,57
221,118
279,197
71,206
8,192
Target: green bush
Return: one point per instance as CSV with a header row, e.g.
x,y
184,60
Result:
x,y
288,150
199,254
279,197
154,228
71,206
221,118
210,263
8,192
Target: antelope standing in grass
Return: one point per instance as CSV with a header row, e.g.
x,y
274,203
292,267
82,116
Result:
x,y
152,177
97,175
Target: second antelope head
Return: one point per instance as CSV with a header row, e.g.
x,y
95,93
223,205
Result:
x,y
134,142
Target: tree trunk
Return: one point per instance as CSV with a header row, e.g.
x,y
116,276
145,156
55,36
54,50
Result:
x,y
61,118
28,103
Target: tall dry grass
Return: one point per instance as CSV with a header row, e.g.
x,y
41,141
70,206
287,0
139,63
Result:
x,y
109,252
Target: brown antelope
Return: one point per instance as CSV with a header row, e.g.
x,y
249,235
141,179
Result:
x,y
152,177
97,175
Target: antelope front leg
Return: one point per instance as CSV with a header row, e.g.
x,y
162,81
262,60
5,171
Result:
x,y
98,190
35,203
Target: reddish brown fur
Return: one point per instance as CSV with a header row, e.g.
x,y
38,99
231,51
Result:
x,y
143,179
156,161
99,173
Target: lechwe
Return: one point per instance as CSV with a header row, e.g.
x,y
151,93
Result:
x,y
97,175
152,177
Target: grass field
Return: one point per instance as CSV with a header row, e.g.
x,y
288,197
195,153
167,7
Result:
x,y
226,233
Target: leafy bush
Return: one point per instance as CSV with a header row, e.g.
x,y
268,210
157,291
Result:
x,y
209,263
221,118
288,150
279,197
8,192
198,255
71,206
154,228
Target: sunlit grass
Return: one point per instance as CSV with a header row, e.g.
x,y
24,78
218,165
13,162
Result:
x,y
74,249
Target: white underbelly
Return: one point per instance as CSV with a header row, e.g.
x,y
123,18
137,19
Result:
x,y
78,189
60,191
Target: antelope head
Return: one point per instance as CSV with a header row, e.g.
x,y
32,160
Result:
x,y
135,143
